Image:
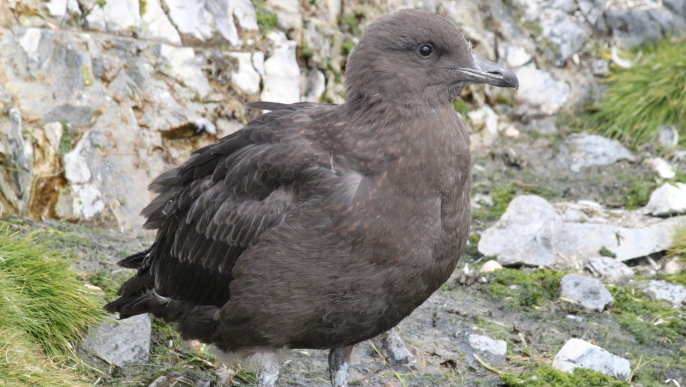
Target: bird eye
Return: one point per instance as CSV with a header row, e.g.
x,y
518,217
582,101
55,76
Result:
x,y
426,50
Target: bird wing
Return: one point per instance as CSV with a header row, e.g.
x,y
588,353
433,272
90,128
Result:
x,y
218,203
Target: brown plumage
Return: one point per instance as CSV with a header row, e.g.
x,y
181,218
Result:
x,y
320,226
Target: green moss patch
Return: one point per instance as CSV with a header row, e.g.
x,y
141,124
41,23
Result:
x,y
647,320
547,376
524,288
266,20
646,96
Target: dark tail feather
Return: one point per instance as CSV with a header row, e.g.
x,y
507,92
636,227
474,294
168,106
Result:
x,y
134,261
194,321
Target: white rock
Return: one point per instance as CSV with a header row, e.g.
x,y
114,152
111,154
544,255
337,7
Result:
x,y
661,290
511,132
180,63
244,13
282,73
121,342
486,344
245,77
662,167
288,13
258,62
540,92
315,86
610,269
490,266
561,30
673,266
53,132
96,18
587,292
515,56
122,15
484,123
57,8
76,168
668,136
200,18
189,17
579,353
29,41
87,201
669,199
583,150
156,25
531,232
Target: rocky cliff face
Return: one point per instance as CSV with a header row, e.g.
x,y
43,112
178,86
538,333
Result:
x,y
98,97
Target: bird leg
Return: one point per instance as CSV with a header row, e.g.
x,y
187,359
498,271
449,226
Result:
x,y
338,365
266,368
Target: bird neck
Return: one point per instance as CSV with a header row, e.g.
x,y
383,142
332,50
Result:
x,y
381,131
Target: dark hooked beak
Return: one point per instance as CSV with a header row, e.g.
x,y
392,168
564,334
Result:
x,y
485,71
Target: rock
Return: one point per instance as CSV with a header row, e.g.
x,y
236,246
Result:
x,y
395,349
539,92
561,31
156,25
245,77
600,67
583,150
511,132
572,317
181,63
76,168
587,292
288,14
636,27
515,56
668,136
484,125
668,199
592,10
15,183
531,232
200,18
282,74
673,266
121,342
189,18
610,269
545,125
315,86
489,350
162,381
579,353
490,266
662,167
664,291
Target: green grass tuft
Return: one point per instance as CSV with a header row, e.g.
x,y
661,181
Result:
x,y
646,96
45,309
679,245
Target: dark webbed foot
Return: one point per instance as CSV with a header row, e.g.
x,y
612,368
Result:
x,y
339,358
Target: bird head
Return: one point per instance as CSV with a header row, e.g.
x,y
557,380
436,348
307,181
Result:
x,y
419,56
